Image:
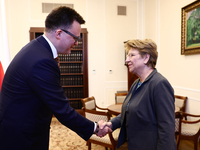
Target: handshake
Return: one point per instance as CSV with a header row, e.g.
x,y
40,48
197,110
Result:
x,y
104,128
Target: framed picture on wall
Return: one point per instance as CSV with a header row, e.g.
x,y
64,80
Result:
x,y
190,29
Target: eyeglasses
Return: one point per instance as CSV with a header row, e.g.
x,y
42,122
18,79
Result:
x,y
131,55
76,38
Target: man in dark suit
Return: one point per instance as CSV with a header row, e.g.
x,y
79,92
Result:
x,y
31,92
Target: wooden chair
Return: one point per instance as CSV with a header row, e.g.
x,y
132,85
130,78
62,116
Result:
x,y
89,108
90,103
189,129
180,102
119,97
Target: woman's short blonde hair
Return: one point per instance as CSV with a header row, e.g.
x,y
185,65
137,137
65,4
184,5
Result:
x,y
144,47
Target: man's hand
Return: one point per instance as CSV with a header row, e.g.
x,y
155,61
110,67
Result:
x,y
104,128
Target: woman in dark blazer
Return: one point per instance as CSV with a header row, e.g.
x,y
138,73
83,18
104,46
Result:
x,y
147,119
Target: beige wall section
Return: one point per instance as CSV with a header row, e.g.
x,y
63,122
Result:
x,y
159,20
96,49
182,71
118,29
150,12
107,32
18,24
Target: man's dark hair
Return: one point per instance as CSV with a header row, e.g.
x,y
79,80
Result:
x,y
62,17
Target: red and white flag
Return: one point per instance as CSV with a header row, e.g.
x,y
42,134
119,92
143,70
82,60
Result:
x,y
4,48
1,75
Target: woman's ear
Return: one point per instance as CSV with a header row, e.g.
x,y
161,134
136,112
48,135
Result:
x,y
146,58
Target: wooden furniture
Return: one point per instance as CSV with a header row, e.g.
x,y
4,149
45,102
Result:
x,y
131,78
90,103
35,32
180,103
115,109
119,97
73,69
110,140
189,130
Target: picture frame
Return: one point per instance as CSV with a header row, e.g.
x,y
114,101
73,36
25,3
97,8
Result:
x,y
190,29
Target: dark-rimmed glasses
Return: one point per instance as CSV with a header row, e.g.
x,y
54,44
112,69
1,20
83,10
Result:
x,y
76,38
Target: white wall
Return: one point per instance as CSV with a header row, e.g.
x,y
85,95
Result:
x,y
163,24
159,20
181,70
107,32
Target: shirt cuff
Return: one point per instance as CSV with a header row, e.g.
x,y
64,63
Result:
x,y
95,126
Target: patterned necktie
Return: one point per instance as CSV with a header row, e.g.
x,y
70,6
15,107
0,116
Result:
x,y
57,60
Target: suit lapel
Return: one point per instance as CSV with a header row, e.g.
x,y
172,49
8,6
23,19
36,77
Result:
x,y
128,98
122,136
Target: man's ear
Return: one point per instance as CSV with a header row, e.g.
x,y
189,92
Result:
x,y
58,34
